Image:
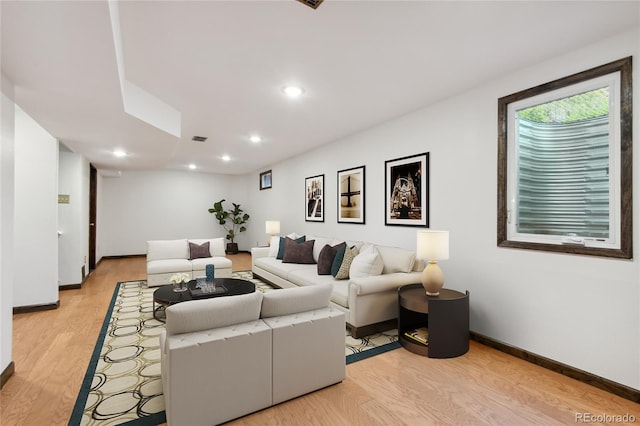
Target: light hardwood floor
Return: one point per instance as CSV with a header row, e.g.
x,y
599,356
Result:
x,y
51,351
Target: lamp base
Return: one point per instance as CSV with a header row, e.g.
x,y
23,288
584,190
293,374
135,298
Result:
x,y
432,279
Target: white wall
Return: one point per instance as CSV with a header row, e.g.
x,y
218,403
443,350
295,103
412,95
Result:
x,y
7,180
578,310
36,214
73,218
155,205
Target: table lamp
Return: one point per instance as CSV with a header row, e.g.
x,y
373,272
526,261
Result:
x,y
432,246
272,227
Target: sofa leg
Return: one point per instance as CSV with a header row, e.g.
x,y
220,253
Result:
x,y
354,332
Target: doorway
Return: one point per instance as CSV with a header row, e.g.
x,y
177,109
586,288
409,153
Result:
x,y
93,201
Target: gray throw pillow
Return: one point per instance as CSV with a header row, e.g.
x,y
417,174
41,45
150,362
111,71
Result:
x,y
282,246
199,251
295,252
326,257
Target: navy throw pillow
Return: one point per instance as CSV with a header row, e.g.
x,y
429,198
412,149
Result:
x,y
337,261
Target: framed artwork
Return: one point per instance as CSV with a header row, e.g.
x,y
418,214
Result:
x,y
351,195
407,191
265,180
314,198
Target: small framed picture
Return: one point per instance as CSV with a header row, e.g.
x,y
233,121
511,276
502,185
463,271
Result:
x,y
407,191
265,180
314,197
351,192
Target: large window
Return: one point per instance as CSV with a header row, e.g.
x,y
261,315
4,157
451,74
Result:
x,y
564,164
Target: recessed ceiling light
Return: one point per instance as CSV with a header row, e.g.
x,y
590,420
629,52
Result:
x,y
255,138
192,166
226,158
293,91
119,153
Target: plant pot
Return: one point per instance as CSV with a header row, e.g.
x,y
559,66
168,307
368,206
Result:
x,y
232,248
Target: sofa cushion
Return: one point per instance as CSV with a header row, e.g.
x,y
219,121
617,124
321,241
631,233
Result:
x,y
349,255
298,252
396,259
340,293
274,246
296,299
282,245
276,267
319,245
216,245
165,266
217,262
367,263
167,249
357,244
198,251
306,275
216,312
326,257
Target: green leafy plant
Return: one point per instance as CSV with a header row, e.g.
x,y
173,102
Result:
x,y
232,220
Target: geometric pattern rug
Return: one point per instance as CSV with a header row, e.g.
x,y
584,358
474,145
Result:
x,y
122,385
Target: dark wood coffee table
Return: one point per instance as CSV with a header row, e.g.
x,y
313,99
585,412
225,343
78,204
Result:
x,y
165,296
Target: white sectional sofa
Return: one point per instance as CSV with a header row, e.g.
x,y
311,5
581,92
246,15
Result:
x,y
226,357
167,257
368,296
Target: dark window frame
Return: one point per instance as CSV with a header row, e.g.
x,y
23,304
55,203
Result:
x,y
624,66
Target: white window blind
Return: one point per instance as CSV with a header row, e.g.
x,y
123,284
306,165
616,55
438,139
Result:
x,y
563,181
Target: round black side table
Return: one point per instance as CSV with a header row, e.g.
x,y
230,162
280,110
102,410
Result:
x,y
446,318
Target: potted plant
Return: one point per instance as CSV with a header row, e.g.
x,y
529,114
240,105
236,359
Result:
x,y
232,220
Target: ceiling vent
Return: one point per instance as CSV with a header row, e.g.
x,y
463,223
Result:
x,y
199,138
311,3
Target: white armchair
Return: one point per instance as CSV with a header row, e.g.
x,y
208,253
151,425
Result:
x,y
226,357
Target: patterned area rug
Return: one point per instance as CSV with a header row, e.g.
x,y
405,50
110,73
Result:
x,y
123,384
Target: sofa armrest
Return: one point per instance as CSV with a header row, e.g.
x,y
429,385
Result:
x,y
163,341
258,252
308,351
381,283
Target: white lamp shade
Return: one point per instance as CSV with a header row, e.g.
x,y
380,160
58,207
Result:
x,y
432,245
272,227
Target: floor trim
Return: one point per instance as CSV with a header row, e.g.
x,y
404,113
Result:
x,y
564,369
36,308
69,286
75,286
8,372
124,256
121,256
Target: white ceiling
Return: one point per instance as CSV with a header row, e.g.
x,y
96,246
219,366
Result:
x,y
222,64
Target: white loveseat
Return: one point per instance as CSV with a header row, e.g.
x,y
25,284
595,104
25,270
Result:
x,y
368,297
226,357
167,257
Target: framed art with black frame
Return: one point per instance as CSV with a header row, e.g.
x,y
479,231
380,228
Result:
x,y
314,198
407,191
265,180
351,195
